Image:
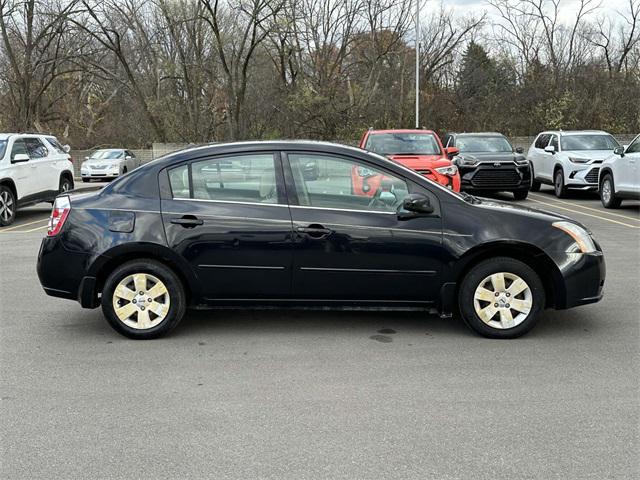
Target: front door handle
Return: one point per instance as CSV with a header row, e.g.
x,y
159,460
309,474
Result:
x,y
187,221
315,230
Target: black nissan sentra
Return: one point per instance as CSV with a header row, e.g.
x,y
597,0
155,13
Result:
x,y
244,224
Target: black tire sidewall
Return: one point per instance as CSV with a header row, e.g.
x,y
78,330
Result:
x,y
483,270
177,306
520,194
560,192
4,188
613,201
64,180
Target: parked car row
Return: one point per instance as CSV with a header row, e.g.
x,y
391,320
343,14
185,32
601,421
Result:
x,y
36,168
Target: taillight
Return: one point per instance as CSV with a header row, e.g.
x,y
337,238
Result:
x,y
59,213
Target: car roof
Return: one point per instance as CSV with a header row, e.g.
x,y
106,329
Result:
x,y
576,132
402,130
479,134
5,136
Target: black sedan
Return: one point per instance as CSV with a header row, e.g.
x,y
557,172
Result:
x,y
487,162
242,225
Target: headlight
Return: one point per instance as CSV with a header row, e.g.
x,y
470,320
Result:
x,y
114,165
578,160
580,235
451,170
461,160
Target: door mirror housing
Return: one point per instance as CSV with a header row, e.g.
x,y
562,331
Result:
x,y
451,152
415,204
128,157
519,150
550,149
66,148
619,151
20,158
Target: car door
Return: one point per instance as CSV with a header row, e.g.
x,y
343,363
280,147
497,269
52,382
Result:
x,y
25,183
349,246
228,218
45,179
549,161
627,178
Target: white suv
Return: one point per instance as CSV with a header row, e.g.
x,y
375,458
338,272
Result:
x,y
569,160
33,168
620,175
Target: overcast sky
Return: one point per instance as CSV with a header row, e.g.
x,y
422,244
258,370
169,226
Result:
x,y
567,12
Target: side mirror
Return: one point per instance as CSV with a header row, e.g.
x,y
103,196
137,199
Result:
x,y
415,204
20,158
550,149
619,151
128,157
519,149
451,152
66,148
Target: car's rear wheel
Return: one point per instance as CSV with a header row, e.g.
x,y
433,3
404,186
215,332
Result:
x,y
608,193
143,299
86,180
65,185
7,206
501,298
520,194
558,184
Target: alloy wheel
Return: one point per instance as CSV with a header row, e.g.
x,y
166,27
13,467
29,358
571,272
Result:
x,y
606,190
141,301
6,206
503,300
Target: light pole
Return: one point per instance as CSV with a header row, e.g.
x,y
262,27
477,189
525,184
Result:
x,y
417,64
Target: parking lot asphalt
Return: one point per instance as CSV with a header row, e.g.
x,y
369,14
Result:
x,y
297,395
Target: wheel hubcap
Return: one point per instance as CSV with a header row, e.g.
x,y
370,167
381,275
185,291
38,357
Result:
x,y
6,206
65,186
503,300
606,191
141,301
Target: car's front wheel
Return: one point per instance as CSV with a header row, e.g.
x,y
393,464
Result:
x,y
65,185
520,194
608,193
143,299
7,206
501,298
558,184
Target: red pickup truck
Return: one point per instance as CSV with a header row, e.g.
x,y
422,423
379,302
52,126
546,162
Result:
x,y
419,150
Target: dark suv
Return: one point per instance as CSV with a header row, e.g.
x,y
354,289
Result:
x,y
488,162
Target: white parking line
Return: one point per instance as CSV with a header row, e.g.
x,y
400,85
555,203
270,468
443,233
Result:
x,y
555,205
33,229
637,219
24,225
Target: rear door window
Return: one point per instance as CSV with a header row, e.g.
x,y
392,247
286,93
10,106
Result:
x,y
241,178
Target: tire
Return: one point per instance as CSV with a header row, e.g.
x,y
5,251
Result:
x,y
86,180
608,192
501,321
520,194
8,205
169,299
124,170
558,183
535,184
65,185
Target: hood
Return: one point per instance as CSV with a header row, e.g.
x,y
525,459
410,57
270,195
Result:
x,y
492,157
417,162
590,154
508,207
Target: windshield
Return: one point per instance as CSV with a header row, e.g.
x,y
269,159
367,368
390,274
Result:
x,y
3,147
403,143
106,155
483,144
589,142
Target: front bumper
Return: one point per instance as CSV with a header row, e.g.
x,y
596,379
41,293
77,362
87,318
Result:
x,y
582,176
495,177
93,172
584,275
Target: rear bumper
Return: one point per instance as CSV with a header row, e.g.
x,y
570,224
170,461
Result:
x,y
62,273
488,177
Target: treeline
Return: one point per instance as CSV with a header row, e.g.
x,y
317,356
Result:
x,y
130,72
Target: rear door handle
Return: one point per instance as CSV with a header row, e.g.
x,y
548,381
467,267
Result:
x,y
315,231
187,221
